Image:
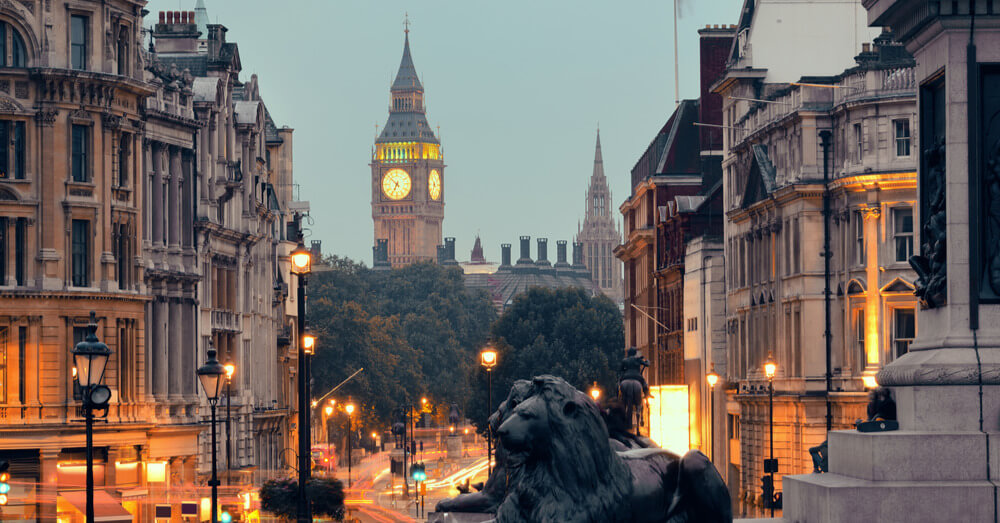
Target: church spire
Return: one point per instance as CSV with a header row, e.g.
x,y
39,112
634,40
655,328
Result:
x,y
598,159
406,78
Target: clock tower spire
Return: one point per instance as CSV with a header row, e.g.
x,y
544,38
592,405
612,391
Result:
x,y
408,172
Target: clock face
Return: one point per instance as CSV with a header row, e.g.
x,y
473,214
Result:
x,y
434,185
396,184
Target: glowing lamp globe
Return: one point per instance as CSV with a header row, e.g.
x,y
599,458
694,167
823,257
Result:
x,y
770,367
301,260
712,378
488,358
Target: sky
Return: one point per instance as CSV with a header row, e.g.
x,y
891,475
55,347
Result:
x,y
517,87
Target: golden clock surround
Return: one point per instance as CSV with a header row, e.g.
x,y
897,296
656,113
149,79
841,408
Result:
x,y
396,184
434,185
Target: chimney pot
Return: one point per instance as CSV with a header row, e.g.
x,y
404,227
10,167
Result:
x,y
170,17
716,26
866,47
191,17
163,17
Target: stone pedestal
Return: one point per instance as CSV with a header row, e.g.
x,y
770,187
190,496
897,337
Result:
x,y
454,446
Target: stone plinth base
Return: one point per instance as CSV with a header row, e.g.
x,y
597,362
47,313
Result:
x,y
454,445
458,517
898,476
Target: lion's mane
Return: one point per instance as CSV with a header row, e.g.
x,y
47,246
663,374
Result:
x,y
578,478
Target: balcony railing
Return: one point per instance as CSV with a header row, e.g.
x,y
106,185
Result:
x,y
224,320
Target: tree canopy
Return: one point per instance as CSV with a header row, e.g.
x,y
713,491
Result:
x,y
416,331
563,332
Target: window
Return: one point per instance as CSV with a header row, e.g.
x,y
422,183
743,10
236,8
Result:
x,y
79,334
12,152
123,56
20,249
859,238
858,142
81,141
902,133
902,231
123,157
22,346
859,337
81,253
3,250
125,347
10,40
4,332
122,251
904,329
78,42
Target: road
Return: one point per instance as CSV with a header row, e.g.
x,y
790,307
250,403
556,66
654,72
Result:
x,y
375,497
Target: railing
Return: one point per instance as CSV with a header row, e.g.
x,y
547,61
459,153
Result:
x,y
876,83
223,319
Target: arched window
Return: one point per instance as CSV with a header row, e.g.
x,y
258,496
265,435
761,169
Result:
x,y
13,52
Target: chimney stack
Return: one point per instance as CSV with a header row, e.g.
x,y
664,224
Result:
x,y
442,254
525,251
449,252
543,252
561,255
176,32
504,255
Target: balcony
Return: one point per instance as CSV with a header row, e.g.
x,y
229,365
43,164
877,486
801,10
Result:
x,y
224,320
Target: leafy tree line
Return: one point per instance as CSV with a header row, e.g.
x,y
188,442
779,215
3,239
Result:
x,y
417,331
563,332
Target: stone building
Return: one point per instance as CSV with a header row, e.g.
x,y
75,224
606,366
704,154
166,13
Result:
x,y
599,235
780,126
128,178
408,173
242,200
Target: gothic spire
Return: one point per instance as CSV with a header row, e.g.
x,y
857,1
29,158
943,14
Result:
x,y
406,78
598,159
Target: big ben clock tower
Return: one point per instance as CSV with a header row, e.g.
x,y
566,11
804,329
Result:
x,y
408,173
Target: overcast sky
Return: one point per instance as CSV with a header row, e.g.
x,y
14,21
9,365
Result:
x,y
518,88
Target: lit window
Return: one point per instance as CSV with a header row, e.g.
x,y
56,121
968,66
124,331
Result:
x,y
902,220
859,337
904,329
902,133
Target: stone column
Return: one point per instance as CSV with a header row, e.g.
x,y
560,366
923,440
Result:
x,y
189,347
156,191
177,333
174,199
160,361
147,185
48,490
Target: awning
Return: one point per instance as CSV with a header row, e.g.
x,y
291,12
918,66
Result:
x,y
106,507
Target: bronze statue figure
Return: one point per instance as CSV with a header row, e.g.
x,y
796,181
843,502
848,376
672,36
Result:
x,y
632,386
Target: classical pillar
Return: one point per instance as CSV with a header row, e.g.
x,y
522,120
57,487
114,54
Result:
x,y
147,185
48,490
174,198
177,332
160,361
156,190
189,344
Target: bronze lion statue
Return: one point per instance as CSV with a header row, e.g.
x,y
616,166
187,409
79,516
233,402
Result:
x,y
557,447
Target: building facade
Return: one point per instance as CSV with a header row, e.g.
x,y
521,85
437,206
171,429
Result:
x,y
599,234
125,180
408,173
783,137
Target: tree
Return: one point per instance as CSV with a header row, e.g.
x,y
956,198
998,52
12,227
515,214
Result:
x,y
564,332
280,497
412,329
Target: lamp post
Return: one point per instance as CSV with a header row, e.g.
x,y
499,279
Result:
x,y
350,413
301,265
712,378
326,433
210,376
230,370
595,392
488,359
91,358
770,367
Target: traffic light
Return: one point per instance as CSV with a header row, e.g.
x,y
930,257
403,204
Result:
x,y
417,472
767,490
4,481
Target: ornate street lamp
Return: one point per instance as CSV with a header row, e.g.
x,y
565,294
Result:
x,y
350,413
309,342
230,370
488,359
301,266
770,368
91,358
210,375
711,378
